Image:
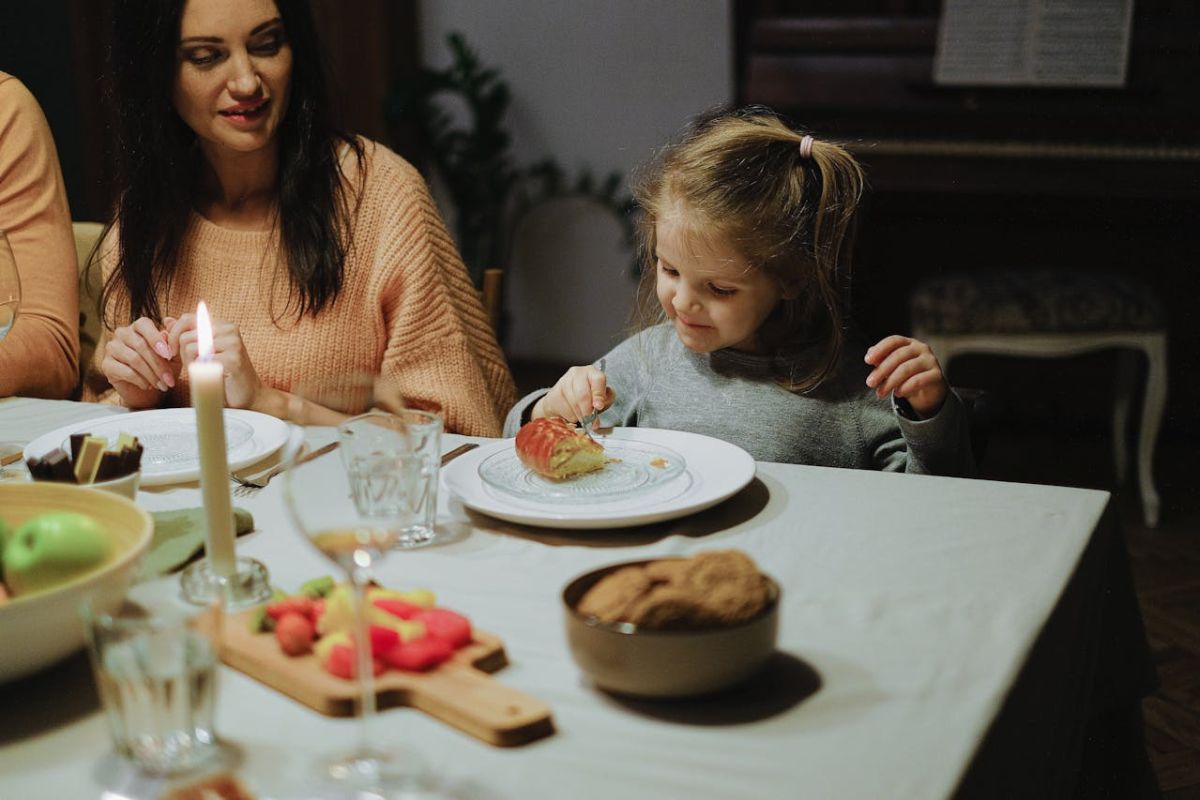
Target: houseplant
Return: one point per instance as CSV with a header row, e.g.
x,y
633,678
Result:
x,y
489,191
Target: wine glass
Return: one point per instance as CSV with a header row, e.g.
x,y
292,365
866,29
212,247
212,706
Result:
x,y
10,287
354,513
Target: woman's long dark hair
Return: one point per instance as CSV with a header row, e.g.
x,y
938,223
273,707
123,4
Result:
x,y
159,165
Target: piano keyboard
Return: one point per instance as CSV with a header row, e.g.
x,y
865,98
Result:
x,y
949,148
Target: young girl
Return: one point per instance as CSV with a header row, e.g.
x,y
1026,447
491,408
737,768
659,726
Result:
x,y
746,228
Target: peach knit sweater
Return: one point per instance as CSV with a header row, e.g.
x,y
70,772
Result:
x,y
407,307
40,356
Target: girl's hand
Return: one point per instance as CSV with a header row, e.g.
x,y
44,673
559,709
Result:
x,y
138,364
578,393
908,368
243,388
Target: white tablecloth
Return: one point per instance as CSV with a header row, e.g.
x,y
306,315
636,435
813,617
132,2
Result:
x,y
910,605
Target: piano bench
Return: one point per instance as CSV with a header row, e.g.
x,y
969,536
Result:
x,y
1058,313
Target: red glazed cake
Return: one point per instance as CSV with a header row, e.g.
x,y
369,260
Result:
x,y
556,449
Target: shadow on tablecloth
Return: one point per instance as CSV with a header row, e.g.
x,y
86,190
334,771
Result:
x,y
49,699
737,510
783,683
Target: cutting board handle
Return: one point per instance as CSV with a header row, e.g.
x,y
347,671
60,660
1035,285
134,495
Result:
x,y
480,705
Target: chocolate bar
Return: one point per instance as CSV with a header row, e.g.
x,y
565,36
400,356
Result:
x,y
76,443
54,466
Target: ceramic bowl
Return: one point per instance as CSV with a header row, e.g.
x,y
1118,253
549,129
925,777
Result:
x,y
621,658
42,628
126,485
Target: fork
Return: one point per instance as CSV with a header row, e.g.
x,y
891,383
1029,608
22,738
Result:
x,y
586,422
249,485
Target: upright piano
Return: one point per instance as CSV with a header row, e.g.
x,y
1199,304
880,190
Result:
x,y
968,177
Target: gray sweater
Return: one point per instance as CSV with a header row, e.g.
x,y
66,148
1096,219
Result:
x,y
729,395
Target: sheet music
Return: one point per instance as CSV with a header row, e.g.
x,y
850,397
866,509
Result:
x,y
1033,42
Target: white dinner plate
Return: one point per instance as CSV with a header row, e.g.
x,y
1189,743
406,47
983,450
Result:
x,y
716,470
168,439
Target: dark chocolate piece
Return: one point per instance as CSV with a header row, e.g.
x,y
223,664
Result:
x,y
58,466
76,443
111,466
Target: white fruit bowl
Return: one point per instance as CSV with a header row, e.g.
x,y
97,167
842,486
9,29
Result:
x,y
42,628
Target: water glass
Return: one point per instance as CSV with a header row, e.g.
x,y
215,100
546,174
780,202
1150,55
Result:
x,y
392,461
156,675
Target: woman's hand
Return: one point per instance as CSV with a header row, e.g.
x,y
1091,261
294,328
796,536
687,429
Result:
x,y
578,393
138,363
908,368
243,388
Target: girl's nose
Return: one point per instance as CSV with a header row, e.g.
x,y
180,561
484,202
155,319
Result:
x,y
244,80
685,299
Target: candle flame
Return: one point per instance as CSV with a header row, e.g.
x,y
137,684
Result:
x,y
204,336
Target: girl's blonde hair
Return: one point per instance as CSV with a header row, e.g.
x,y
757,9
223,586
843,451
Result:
x,y
742,177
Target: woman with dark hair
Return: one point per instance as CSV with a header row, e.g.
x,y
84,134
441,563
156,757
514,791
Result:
x,y
318,253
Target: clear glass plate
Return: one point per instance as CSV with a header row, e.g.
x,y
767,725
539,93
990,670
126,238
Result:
x,y
642,466
165,442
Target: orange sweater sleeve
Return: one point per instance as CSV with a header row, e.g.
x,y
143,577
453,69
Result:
x,y
40,356
440,342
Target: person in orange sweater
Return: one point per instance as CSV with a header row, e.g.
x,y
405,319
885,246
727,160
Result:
x,y
317,253
40,356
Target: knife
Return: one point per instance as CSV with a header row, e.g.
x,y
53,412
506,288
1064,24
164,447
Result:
x,y
458,451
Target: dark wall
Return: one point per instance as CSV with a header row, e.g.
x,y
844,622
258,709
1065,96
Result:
x,y
35,46
57,48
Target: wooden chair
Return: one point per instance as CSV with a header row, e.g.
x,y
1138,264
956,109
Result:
x,y
1057,313
87,234
493,280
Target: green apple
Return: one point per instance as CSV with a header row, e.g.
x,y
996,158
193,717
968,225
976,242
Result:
x,y
4,532
52,548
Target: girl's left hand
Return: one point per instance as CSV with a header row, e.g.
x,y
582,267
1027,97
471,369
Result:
x,y
242,385
908,368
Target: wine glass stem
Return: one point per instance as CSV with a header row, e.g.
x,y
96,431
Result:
x,y
365,663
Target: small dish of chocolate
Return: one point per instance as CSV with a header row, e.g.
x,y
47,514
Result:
x,y
92,462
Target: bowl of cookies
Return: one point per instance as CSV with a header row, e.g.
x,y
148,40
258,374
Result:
x,y
672,627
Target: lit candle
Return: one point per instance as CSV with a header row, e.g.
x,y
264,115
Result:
x,y
207,378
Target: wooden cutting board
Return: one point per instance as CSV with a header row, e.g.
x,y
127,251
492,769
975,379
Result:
x,y
460,692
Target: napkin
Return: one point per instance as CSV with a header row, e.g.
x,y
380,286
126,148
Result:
x,y
179,538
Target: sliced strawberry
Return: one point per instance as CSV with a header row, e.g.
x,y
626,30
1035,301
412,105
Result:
x,y
295,604
450,626
383,639
401,608
342,662
295,634
419,655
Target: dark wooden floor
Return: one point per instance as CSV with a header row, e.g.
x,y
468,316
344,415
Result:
x,y
1166,565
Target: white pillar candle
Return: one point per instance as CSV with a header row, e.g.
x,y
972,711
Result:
x,y
207,378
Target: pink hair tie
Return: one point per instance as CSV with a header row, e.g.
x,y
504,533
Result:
x,y
806,146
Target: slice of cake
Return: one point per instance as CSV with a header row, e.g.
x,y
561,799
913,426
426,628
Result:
x,y
556,449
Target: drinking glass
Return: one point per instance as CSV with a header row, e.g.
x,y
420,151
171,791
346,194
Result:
x,y
155,664
354,514
10,287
